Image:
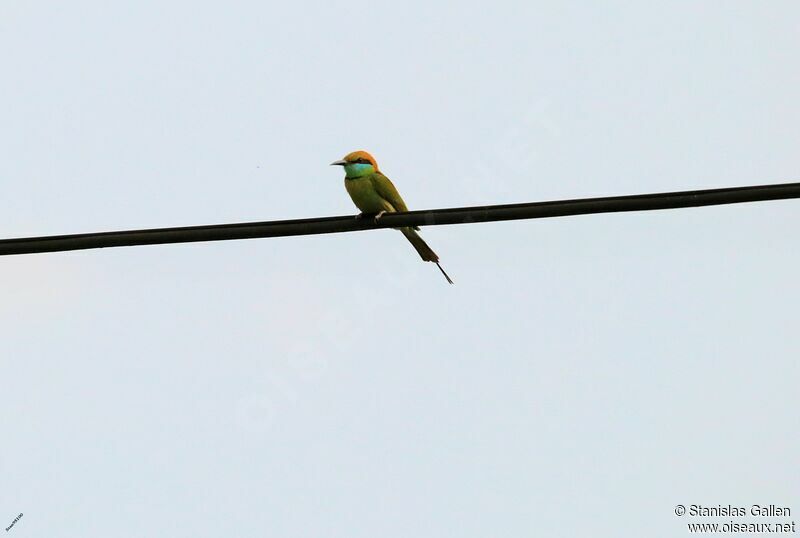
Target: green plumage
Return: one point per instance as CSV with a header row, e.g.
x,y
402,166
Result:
x,y
373,193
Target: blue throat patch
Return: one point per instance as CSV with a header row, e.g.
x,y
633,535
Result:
x,y
358,169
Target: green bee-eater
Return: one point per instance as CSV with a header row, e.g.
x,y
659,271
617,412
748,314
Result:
x,y
374,194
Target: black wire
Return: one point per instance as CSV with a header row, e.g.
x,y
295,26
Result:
x,y
433,217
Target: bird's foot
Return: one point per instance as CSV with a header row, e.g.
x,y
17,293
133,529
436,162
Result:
x,y
379,215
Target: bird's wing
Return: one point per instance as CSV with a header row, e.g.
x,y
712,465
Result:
x,y
386,190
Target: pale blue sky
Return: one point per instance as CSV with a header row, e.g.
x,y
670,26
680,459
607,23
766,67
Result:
x,y
582,377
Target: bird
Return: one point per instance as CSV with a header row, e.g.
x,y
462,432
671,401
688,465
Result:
x,y
374,194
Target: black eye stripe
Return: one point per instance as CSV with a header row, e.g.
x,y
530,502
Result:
x,y
362,161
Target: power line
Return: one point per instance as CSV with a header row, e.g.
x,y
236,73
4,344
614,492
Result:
x,y
432,217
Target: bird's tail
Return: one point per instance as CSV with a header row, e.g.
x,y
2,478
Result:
x,y
425,252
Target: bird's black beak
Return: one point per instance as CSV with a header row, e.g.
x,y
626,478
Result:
x,y
339,163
